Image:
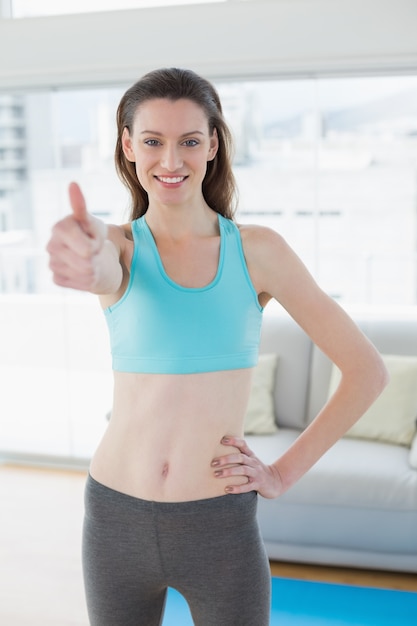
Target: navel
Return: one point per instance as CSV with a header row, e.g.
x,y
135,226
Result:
x,y
165,470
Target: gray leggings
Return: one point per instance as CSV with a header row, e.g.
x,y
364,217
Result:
x,y
209,550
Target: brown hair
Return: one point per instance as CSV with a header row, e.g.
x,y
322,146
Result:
x,y
219,187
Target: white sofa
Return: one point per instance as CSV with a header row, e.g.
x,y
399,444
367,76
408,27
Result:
x,y
358,505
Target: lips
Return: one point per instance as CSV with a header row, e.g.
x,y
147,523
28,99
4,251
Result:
x,y
171,180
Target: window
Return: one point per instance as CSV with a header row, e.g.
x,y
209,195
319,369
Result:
x,y
28,8
332,165
329,163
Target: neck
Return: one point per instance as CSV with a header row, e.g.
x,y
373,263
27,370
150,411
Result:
x,y
179,222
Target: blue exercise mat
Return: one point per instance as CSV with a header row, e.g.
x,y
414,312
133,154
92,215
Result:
x,y
305,603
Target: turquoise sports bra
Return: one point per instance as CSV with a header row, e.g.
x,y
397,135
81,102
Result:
x,y
160,327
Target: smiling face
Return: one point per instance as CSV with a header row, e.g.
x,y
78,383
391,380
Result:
x,y
170,145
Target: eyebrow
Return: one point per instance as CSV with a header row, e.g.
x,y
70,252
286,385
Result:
x,y
158,134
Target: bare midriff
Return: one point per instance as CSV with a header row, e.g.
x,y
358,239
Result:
x,y
165,430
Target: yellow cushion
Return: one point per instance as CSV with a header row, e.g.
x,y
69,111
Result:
x,y
392,417
260,416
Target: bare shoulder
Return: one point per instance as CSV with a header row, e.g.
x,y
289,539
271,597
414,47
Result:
x,y
277,270
279,273
256,233
120,234
262,242
122,239
268,259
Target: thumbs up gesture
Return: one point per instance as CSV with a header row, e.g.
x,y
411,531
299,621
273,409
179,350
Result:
x,y
76,245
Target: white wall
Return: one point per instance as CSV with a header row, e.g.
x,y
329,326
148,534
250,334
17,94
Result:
x,y
55,371
243,39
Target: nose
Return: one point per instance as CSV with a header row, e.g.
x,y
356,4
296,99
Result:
x,y
171,159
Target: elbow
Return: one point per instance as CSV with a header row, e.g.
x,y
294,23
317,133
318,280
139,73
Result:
x,y
381,377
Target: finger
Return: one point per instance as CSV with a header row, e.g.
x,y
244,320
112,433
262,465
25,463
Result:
x,y
90,225
237,442
79,282
68,235
244,488
237,470
231,459
77,202
71,263
79,208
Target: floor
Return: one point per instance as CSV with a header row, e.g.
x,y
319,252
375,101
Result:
x,y
40,570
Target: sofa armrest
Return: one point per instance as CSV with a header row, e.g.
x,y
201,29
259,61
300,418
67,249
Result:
x,y
413,453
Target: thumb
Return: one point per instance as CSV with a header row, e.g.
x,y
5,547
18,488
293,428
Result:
x,y
91,226
79,207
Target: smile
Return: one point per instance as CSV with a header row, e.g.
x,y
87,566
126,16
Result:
x,y
172,180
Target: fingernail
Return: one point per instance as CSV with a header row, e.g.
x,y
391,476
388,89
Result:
x,y
229,489
215,462
225,439
218,473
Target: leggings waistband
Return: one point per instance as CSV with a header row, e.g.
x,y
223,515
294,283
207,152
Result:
x,y
215,505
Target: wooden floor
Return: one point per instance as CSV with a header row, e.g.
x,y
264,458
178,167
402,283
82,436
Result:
x,y
40,568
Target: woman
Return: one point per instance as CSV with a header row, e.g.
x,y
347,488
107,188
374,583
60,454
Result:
x,y
171,495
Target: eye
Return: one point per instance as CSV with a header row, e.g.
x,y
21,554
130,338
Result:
x,y
152,142
190,143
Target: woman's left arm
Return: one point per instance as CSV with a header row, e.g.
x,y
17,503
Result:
x,y
278,273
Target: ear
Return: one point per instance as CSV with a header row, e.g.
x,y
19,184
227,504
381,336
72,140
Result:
x,y
214,145
127,146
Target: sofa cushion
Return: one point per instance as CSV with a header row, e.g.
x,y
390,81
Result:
x,y
391,331
281,335
392,417
413,453
353,473
260,415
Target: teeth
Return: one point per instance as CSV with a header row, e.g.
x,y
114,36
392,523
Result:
x,y
176,179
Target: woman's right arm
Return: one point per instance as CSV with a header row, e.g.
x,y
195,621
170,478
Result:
x,y
84,252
